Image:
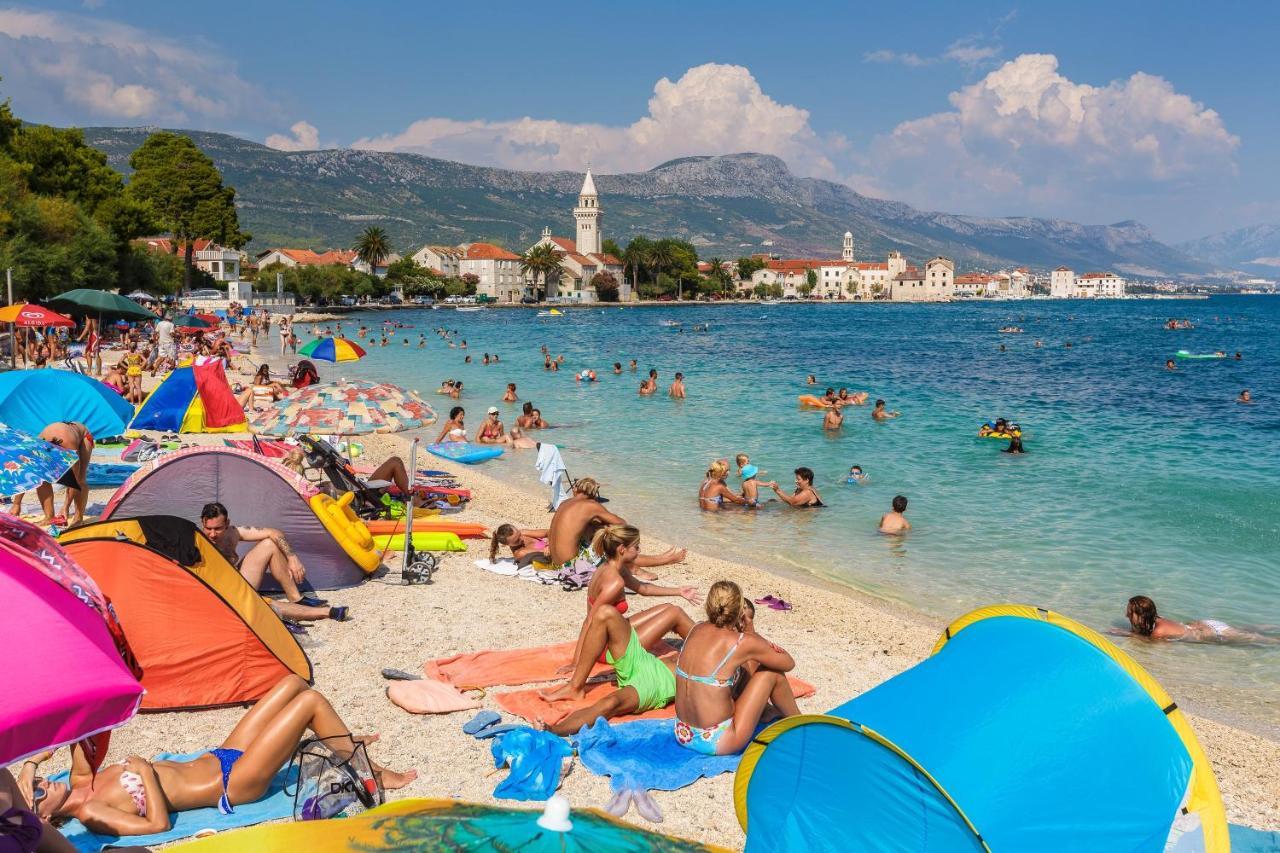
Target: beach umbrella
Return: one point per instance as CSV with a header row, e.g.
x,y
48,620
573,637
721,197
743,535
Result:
x,y
347,408
190,321
86,301
30,400
211,319
67,678
421,824
141,296
26,461
333,349
33,316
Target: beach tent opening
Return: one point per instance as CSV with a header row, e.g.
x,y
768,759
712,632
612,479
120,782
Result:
x,y
192,399
203,636
256,491
1024,730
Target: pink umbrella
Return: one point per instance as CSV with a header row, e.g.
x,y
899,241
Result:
x,y
66,680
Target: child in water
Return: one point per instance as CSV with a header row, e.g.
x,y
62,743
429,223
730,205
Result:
x,y
750,486
857,476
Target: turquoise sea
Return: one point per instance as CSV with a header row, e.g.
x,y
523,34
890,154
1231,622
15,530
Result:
x,y
1136,480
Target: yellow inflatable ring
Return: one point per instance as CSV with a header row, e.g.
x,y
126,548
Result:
x,y
347,529
1017,433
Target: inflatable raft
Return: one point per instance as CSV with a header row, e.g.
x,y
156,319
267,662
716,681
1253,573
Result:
x,y
463,451
463,529
421,542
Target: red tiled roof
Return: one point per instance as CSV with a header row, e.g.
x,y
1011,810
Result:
x,y
489,252
871,266
308,258
608,259
566,244
1097,275
975,278
165,244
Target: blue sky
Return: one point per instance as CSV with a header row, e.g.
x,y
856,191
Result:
x,y
1098,112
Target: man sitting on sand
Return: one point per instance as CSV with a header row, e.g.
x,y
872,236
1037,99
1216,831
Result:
x,y
896,521
576,522
272,553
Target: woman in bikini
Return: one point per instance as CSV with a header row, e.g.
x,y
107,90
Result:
x,y
92,345
644,681
719,699
805,495
263,392
510,396
491,431
456,417
138,797
1146,622
133,363
526,546
713,492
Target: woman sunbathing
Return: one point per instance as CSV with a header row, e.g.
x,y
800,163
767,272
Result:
x,y
137,797
644,682
728,678
527,546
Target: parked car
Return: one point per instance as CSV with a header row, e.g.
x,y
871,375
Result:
x,y
390,299
529,300
207,293
423,300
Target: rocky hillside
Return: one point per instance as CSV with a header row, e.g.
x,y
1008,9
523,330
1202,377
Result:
x,y
728,205
1255,249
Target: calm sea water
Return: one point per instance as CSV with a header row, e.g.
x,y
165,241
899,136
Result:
x,y
1136,480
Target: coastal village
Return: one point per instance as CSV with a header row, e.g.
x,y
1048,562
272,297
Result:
x,y
503,277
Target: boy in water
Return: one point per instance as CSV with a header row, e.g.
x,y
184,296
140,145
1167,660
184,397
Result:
x,y
856,476
833,419
750,486
880,414
895,521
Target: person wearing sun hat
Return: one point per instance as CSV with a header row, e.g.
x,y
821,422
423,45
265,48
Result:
x,y
491,430
750,487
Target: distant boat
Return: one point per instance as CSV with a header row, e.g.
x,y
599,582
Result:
x,y
670,324
771,302
470,308
554,312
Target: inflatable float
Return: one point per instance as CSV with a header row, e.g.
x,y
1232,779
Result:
x,y
465,452
1198,356
1016,432
463,529
816,402
424,541
347,529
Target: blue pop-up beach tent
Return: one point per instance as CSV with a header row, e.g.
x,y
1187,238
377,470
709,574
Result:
x,y
30,400
1024,730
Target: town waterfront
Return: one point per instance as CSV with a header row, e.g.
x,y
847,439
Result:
x,y
1137,479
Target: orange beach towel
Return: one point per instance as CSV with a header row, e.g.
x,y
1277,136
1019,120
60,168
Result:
x,y
493,667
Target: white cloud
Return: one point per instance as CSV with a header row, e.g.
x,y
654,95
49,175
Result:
x,y
1027,139
59,66
712,109
305,138
913,60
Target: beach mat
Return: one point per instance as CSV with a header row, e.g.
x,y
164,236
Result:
x,y
276,805
509,667
109,473
532,707
644,756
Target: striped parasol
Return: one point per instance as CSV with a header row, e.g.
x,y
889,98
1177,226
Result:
x,y
333,349
348,408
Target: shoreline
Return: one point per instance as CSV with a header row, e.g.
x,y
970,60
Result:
x,y
845,641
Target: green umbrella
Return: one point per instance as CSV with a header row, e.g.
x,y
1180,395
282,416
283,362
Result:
x,y
189,321
86,301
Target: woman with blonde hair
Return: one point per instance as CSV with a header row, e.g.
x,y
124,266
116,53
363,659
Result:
x,y
644,681
713,492
719,700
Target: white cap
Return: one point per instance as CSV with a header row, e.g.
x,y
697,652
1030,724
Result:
x,y
493,410
555,817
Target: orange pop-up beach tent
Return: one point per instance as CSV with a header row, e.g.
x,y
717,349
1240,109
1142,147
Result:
x,y
203,636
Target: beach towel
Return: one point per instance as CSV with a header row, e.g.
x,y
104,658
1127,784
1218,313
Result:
x,y
551,472
536,758
276,805
108,473
512,667
429,696
531,706
506,568
644,756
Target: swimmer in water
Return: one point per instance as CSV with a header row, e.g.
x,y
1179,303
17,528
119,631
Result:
x,y
833,419
812,380
649,385
1015,445
880,414
895,521
750,486
1245,397
676,391
857,476
617,368
804,495
1146,622
633,365
510,396
1169,365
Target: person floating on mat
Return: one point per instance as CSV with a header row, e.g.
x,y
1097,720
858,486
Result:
x,y
644,681
272,553
138,797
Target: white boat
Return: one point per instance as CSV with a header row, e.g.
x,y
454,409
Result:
x,y
470,308
554,312
771,302
670,324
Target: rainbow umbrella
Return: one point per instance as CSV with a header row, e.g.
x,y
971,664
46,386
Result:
x,y
67,678
333,349
348,408
27,461
420,824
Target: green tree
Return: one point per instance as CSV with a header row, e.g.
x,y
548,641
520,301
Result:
x,y
185,192
748,266
810,282
542,262
610,247
372,247
53,245
59,163
719,277
606,286
635,256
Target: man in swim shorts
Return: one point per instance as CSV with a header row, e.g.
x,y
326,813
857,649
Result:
x,y
272,553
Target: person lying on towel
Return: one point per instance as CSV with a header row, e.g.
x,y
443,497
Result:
x,y
138,797
644,681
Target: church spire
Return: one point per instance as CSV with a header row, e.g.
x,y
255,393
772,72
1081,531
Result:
x,y
587,215
588,185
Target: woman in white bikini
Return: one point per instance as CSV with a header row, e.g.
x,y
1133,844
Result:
x,y
1146,622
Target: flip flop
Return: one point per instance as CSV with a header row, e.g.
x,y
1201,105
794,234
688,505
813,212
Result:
x,y
779,604
481,721
399,675
494,731
340,614
620,804
768,599
646,807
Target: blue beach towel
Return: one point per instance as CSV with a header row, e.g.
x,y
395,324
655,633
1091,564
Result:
x,y
535,758
274,806
109,473
643,756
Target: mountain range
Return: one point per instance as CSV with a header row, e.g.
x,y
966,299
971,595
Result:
x,y
729,205
1255,249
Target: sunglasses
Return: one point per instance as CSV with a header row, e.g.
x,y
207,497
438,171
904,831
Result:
x,y
38,790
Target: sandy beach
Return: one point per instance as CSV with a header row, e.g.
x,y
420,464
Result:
x,y
844,643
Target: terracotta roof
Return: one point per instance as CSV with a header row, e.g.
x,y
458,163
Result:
x,y
489,252
580,260
565,243
166,244
871,266
608,259
974,278
796,264
1098,275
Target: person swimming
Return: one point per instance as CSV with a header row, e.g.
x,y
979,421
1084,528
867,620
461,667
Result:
x,y
895,521
833,419
857,476
650,385
1145,621
804,495
1245,397
1015,445
879,413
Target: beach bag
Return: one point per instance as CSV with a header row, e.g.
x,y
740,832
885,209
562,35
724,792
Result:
x,y
577,576
328,785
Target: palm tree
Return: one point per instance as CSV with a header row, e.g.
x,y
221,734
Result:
x,y
373,247
540,262
718,274
659,258
635,256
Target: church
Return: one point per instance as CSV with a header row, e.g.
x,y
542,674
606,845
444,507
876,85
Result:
x,y
584,256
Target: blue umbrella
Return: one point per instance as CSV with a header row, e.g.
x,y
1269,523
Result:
x,y
30,400
27,461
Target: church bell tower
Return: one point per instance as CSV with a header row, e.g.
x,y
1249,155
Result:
x,y
587,215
